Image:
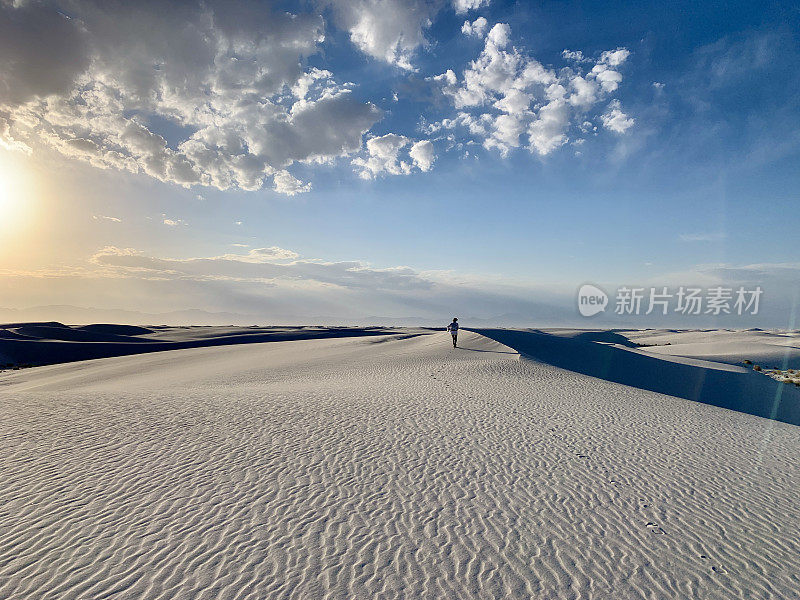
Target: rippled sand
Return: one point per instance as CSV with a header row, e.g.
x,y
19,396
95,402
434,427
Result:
x,y
385,467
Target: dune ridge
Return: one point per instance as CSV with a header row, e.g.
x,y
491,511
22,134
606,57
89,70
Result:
x,y
51,342
611,356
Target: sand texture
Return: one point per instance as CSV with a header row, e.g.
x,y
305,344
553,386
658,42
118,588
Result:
x,y
388,466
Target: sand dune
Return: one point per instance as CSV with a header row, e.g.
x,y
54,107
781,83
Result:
x,y
768,348
34,344
384,467
611,356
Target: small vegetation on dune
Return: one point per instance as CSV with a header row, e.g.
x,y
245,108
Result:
x,y
784,376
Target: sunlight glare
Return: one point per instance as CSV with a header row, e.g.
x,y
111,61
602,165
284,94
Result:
x,y
14,195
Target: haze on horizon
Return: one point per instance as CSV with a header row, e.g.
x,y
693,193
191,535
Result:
x,y
374,160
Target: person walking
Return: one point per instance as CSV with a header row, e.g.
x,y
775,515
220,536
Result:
x,y
453,329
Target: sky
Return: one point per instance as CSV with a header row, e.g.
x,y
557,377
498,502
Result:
x,y
390,161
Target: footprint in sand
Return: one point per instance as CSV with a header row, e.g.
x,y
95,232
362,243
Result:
x,y
655,528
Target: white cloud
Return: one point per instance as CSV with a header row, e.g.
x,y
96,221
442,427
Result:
x,y
615,58
464,6
615,120
514,102
504,95
499,35
285,183
604,71
575,55
174,222
584,92
546,133
305,82
260,255
383,156
388,30
505,133
7,139
608,79
274,265
105,218
92,86
476,28
422,154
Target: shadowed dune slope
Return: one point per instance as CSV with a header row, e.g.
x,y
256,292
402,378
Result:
x,y
52,343
723,385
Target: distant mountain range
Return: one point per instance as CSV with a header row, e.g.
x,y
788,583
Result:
x,y
541,316
80,315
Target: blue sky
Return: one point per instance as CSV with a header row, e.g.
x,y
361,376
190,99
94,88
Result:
x,y
440,154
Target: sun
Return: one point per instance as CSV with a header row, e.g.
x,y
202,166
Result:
x,y
9,185
14,193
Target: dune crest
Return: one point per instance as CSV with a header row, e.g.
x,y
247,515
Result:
x,y
613,357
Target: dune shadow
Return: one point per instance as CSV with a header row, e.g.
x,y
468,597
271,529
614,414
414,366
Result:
x,y
735,389
23,344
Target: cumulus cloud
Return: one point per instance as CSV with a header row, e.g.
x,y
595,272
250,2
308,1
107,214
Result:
x,y
476,28
605,73
388,30
382,156
213,94
575,55
174,222
615,120
507,99
614,58
285,183
422,154
547,132
386,155
464,6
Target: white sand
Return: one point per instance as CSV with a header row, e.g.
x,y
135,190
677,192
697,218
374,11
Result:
x,y
348,468
767,348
